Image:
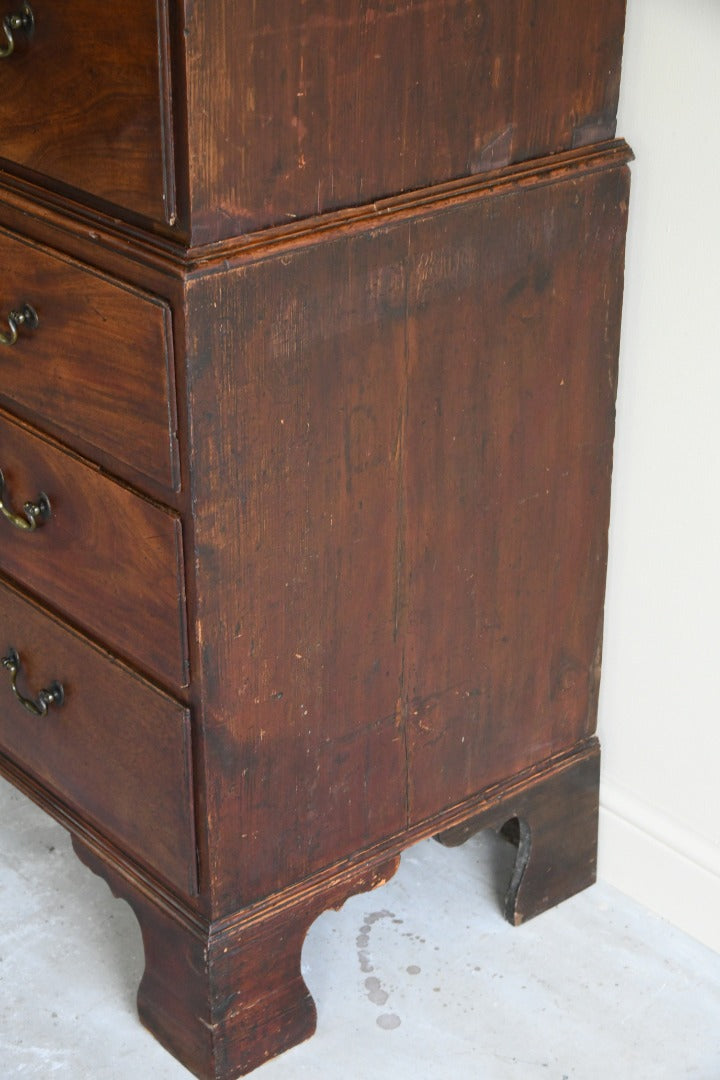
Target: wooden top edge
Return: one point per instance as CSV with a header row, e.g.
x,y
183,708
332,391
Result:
x,y
174,256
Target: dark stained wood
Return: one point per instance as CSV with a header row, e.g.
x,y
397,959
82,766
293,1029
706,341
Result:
x,y
553,823
294,110
296,433
297,109
380,497
107,558
86,102
512,316
98,370
390,468
199,992
117,749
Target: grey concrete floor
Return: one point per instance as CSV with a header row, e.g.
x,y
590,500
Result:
x,y
421,978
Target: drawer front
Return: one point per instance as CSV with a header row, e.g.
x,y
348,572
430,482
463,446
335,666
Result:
x,y
97,369
85,101
117,750
98,366
107,558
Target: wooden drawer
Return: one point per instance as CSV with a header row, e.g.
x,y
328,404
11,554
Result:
x,y
117,749
98,369
85,101
107,558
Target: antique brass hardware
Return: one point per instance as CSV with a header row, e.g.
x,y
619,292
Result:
x,y
53,695
26,316
22,22
36,513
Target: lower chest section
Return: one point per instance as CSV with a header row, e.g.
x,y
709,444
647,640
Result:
x,y
406,516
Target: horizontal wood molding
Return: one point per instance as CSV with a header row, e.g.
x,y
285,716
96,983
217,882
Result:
x,y
490,802
172,256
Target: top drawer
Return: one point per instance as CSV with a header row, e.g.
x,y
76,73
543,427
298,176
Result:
x,y
97,370
286,110
84,99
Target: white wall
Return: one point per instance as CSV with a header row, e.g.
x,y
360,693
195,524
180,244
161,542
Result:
x,y
660,697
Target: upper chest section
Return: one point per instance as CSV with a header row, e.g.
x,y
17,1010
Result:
x,y
219,118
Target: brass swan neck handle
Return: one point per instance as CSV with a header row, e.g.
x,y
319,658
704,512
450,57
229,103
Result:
x,y
52,695
19,22
24,316
35,513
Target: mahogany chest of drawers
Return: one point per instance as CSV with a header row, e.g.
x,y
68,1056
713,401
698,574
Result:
x,y
309,336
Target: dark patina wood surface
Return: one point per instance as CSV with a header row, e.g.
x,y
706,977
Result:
x,y
411,497
117,750
263,114
328,456
108,559
294,110
86,102
98,371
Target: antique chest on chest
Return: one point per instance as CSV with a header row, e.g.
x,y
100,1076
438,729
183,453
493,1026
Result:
x,y
309,336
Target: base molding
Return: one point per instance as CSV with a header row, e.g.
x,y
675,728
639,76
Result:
x,y
226,998
660,863
553,825
224,995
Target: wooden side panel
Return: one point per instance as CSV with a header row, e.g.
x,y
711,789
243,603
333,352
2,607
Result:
x,y
297,385
296,109
85,101
514,317
406,513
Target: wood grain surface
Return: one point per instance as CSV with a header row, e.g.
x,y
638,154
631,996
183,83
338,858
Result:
x,y
85,102
108,559
99,368
297,109
402,463
322,397
117,750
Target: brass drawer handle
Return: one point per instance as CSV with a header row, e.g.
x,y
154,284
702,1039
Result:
x,y
26,316
22,22
54,695
36,513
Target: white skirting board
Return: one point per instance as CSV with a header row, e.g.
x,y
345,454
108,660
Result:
x,y
660,863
